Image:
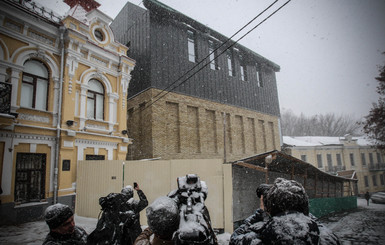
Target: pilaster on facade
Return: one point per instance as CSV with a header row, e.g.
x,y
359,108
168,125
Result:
x,y
15,75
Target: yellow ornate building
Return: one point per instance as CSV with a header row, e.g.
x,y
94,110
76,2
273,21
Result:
x,y
63,86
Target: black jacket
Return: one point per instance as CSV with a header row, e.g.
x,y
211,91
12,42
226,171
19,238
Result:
x,y
132,231
79,236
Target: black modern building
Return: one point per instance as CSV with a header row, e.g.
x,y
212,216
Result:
x,y
179,55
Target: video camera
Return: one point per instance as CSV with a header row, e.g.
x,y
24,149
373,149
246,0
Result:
x,y
194,227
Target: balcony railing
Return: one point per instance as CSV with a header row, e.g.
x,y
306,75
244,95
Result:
x,y
376,167
5,98
39,9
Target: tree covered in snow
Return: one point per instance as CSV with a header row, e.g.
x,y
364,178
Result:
x,y
374,124
328,124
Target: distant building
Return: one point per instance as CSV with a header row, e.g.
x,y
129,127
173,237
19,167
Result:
x,y
63,90
229,109
349,157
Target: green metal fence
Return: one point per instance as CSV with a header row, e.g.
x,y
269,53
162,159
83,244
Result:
x,y
322,206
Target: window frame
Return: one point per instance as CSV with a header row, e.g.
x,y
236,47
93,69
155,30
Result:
x,y
95,100
329,161
374,180
259,75
319,161
34,84
230,62
213,55
351,156
366,181
192,46
339,159
243,68
363,159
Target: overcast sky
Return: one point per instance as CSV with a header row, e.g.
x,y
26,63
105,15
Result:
x,y
329,51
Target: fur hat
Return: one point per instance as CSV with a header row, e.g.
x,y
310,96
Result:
x,y
57,214
163,217
287,195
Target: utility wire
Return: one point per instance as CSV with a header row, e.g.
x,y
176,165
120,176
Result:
x,y
213,52
185,80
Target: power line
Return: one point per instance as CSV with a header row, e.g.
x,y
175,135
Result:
x,y
185,80
213,52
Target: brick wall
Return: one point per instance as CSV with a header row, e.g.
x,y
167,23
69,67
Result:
x,y
179,127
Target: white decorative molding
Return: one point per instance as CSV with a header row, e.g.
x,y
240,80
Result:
x,y
96,143
35,118
99,61
123,148
96,127
41,38
82,144
69,144
32,148
13,26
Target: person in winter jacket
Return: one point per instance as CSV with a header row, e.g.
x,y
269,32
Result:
x,y
131,232
163,221
259,216
290,221
60,220
120,221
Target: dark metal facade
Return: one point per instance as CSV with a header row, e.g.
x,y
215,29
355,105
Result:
x,y
157,37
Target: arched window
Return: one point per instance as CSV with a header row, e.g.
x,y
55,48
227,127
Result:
x,y
34,89
95,100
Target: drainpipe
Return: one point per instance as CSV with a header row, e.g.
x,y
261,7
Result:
x,y
62,30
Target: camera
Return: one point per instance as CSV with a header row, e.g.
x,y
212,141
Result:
x,y
194,226
263,189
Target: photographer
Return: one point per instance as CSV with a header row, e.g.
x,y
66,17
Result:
x,y
132,231
120,222
289,220
260,215
195,225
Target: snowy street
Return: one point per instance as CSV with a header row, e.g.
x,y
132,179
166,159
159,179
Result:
x,y
365,225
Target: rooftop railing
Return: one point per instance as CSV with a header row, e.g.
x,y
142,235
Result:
x,y
39,9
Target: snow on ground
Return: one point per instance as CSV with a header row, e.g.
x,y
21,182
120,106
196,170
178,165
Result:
x,y
365,225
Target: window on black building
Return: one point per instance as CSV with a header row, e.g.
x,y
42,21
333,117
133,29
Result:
x,y
243,68
213,55
230,62
259,75
191,44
